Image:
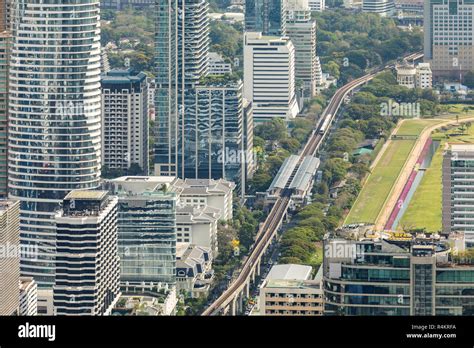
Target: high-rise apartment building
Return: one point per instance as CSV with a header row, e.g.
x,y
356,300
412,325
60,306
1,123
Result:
x,y
266,16
301,29
9,257
54,130
181,56
87,236
269,76
124,120
398,276
214,144
449,37
458,191
146,231
28,297
5,45
382,7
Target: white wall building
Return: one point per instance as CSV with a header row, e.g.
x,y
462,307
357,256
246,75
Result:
x,y
424,76
125,120
28,296
269,76
411,76
382,7
198,226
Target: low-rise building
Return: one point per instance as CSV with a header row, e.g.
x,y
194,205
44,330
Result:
x,y
217,65
412,76
289,290
197,226
194,272
28,297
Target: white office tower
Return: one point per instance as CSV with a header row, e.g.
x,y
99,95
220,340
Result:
x,y
424,76
382,7
301,29
317,5
269,76
55,117
87,261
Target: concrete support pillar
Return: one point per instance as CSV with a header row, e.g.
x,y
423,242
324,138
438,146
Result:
x,y
258,267
233,307
247,289
252,276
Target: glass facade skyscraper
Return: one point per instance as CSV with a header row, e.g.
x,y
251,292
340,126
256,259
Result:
x,y
182,49
266,16
55,116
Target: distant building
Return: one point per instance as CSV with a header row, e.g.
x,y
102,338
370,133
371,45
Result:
x,y
194,274
301,29
5,46
10,256
418,276
269,76
317,5
448,37
266,16
86,231
458,174
217,65
146,231
213,193
289,290
121,4
125,120
382,7
198,226
411,76
28,297
250,163
214,146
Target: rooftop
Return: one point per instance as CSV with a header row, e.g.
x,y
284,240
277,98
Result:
x,y
86,194
290,272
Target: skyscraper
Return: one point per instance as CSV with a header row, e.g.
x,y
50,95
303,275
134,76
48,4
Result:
x,y
9,257
124,121
214,144
181,56
301,29
87,261
266,16
55,116
449,37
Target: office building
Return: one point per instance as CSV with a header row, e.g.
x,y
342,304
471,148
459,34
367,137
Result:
x,y
181,56
9,256
87,236
54,134
28,297
414,275
448,37
214,144
269,77
382,7
301,29
458,173
146,231
124,121
266,16
251,162
424,76
289,290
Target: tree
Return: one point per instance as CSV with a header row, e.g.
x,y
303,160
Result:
x,y
469,79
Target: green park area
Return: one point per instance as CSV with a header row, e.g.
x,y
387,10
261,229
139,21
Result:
x,y
379,183
425,209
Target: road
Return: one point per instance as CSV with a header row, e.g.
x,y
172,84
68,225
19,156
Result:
x,y
279,209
